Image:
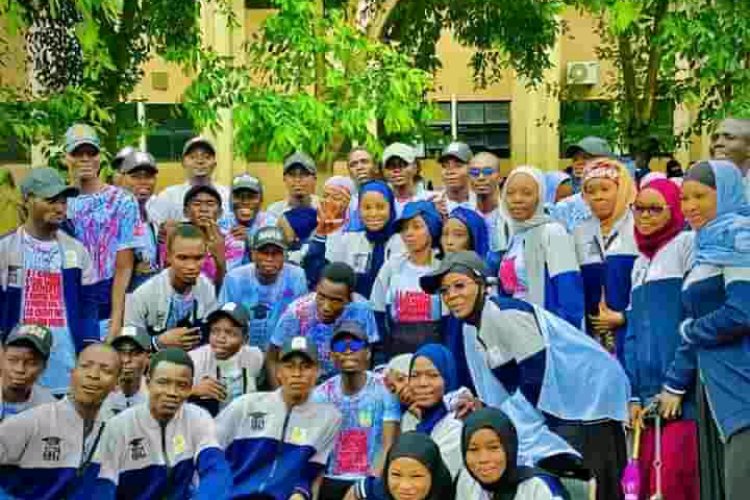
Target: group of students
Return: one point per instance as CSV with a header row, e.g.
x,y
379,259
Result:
x,y
383,340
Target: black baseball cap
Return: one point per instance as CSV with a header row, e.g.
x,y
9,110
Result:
x,y
299,345
300,160
270,235
198,141
201,188
138,160
351,328
37,337
132,334
466,262
232,310
459,150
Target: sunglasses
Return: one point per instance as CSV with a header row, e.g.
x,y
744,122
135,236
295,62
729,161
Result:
x,y
652,210
486,171
354,345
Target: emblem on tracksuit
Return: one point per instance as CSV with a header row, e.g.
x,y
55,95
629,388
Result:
x,y
257,421
51,448
137,449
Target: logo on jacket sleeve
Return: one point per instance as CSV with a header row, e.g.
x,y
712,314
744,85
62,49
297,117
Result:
x,y
51,448
137,448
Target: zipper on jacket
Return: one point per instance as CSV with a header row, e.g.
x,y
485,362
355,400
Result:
x,y
278,450
165,454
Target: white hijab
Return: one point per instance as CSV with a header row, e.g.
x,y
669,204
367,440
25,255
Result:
x,y
539,218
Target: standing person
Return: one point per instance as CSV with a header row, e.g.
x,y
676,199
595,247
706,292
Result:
x,y
652,338
104,219
485,178
533,354
45,276
161,449
414,470
362,167
227,367
406,315
606,250
731,141
316,315
48,452
489,444
370,414
557,187
366,250
716,295
673,169
298,224
540,265
266,287
465,230
278,443
338,192
198,164
173,304
400,171
246,217
25,353
133,346
454,164
138,172
300,175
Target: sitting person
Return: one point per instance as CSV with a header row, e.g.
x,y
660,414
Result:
x,y
490,449
227,367
24,357
414,470
133,345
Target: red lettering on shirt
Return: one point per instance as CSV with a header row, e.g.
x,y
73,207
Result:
x,y
43,303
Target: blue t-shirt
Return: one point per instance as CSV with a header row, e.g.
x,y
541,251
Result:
x,y
359,441
264,303
301,319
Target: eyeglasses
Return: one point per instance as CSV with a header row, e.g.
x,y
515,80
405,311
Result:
x,y
457,287
486,171
354,345
654,210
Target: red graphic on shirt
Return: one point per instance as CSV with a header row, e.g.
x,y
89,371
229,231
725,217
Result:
x,y
42,299
413,307
351,452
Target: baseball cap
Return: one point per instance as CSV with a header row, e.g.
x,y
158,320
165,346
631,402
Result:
x,y
465,262
246,181
46,182
458,150
198,141
81,134
201,188
349,327
135,334
270,235
299,345
399,150
300,160
232,310
38,337
138,160
595,146
121,155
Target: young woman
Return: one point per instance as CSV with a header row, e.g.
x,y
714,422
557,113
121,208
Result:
x,y
540,265
465,229
408,316
415,471
365,251
557,187
606,249
652,338
716,295
489,444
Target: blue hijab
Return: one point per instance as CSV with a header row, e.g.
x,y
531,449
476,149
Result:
x,y
442,358
725,241
477,229
379,239
552,181
430,215
303,221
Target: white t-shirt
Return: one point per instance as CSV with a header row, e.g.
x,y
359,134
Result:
x,y
239,373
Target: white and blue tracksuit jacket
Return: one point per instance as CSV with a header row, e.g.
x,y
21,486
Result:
x,y
717,333
653,320
45,455
276,450
143,459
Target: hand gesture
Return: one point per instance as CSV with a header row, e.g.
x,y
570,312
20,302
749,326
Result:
x,y
239,232
607,320
329,217
215,240
210,388
636,415
441,204
670,405
181,337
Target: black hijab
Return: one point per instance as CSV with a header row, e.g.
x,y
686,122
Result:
x,y
421,448
501,424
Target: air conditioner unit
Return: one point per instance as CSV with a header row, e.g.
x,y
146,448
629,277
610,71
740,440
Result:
x,y
583,73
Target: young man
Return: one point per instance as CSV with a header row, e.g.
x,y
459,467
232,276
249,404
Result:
x,y
225,368
45,275
484,173
25,353
48,451
199,163
104,219
155,450
133,346
400,171
361,166
278,443
454,168
371,415
316,315
247,217
138,172
300,176
172,305
731,141
266,287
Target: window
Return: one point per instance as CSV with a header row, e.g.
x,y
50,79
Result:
x,y
169,128
485,126
259,4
